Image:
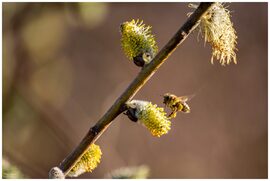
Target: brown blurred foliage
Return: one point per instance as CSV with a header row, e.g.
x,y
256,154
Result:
x,y
63,67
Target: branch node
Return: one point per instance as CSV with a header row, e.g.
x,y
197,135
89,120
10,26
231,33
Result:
x,y
184,34
94,130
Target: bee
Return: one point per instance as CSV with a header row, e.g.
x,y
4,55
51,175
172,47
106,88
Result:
x,y
176,103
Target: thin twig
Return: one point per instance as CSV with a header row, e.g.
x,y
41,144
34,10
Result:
x,y
119,106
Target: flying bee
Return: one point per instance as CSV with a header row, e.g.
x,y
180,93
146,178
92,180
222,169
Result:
x,y
176,103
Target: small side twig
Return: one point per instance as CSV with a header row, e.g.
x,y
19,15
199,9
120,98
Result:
x,y
144,75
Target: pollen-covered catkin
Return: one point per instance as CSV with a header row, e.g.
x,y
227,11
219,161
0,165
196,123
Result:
x,y
217,29
152,117
137,40
88,162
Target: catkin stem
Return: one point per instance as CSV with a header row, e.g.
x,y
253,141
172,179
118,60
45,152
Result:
x,y
144,75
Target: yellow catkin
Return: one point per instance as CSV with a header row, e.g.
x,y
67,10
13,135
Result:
x,y
88,162
137,39
152,117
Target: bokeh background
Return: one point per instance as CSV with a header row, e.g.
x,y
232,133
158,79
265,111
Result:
x,y
63,67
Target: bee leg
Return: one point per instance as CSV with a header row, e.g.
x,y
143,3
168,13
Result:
x,y
172,115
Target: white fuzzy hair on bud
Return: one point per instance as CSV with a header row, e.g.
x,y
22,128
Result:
x,y
56,173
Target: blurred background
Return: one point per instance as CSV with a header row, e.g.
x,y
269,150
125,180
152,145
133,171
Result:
x,y
63,67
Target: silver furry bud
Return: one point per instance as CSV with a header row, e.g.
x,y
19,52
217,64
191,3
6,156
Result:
x,y
56,173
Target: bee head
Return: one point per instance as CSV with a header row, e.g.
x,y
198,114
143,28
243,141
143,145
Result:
x,y
166,98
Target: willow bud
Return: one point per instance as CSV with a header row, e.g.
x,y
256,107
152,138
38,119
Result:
x,y
88,162
217,29
152,117
137,42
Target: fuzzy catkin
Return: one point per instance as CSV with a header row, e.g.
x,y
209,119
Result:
x,y
152,117
217,29
88,162
137,39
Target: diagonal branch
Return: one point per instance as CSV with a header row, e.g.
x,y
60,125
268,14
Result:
x,y
144,75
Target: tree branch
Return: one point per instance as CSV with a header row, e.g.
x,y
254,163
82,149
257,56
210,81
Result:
x,y
144,75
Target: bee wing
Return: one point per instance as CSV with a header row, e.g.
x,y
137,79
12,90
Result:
x,y
186,98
